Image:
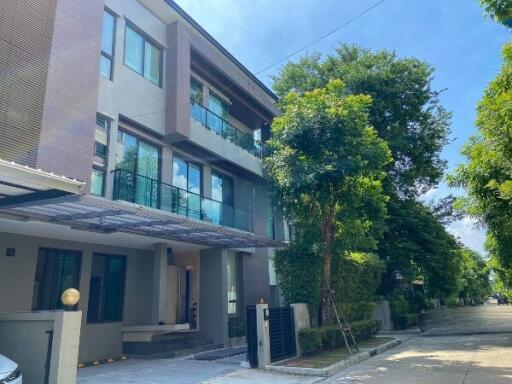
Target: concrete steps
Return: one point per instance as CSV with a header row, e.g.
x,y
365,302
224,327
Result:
x,y
170,345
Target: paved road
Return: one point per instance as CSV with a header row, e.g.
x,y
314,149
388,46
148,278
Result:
x,y
437,360
460,346
489,318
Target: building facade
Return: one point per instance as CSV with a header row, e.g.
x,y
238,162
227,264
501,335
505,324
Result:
x,y
172,229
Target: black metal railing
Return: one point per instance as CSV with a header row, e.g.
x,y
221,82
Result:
x,y
149,192
221,127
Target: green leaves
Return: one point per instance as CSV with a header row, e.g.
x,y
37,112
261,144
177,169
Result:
x,y
325,153
404,111
500,10
487,175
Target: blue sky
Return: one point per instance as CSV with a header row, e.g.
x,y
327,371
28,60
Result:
x,y
452,35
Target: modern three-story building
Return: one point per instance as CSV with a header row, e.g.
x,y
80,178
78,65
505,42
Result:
x,y
131,169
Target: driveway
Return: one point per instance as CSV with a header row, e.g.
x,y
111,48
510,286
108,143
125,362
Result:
x,y
182,371
464,347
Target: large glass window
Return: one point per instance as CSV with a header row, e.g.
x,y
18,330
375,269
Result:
x,y
140,161
220,209
221,111
106,293
56,271
98,182
107,45
197,111
143,56
222,188
187,177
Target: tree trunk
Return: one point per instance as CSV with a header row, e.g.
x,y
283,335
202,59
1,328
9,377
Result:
x,y
327,232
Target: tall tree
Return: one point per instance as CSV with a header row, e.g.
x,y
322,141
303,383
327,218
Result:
x,y
407,114
487,175
405,110
326,162
418,246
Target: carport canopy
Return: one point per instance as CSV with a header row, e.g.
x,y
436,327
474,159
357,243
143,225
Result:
x,y
32,194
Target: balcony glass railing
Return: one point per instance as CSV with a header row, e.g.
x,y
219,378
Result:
x,y
221,127
149,192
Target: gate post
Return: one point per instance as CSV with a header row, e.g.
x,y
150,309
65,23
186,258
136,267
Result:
x,y
263,335
301,320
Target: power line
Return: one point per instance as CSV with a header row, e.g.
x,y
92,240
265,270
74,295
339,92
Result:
x,y
351,20
322,37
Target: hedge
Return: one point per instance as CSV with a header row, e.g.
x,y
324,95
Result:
x,y
406,321
312,340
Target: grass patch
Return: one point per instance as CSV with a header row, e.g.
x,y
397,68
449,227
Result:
x,y
325,358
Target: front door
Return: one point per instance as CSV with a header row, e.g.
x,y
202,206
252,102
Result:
x,y
180,295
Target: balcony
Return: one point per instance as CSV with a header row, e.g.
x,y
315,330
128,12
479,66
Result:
x,y
223,128
153,193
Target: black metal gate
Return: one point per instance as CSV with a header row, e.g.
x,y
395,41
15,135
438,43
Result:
x,y
252,336
282,333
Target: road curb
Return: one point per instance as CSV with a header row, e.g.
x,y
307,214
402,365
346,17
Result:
x,y
339,366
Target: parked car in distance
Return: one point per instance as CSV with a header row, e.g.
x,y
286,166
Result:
x,y
9,371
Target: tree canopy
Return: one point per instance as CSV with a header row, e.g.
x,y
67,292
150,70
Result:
x,y
499,10
405,110
326,166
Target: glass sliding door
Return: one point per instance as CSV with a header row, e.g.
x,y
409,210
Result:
x,y
187,178
56,271
140,162
221,112
220,210
147,171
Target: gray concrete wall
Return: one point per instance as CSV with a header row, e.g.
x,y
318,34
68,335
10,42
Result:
x,y
213,310
256,277
98,341
25,339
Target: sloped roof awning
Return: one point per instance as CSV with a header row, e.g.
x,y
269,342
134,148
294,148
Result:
x,y
20,183
91,213
32,194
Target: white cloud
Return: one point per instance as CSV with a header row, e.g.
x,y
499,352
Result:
x,y
468,232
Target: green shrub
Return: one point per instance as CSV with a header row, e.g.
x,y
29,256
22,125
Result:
x,y
365,329
407,320
310,340
399,306
356,311
332,337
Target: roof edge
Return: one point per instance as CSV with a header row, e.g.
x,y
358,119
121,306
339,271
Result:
x,y
219,46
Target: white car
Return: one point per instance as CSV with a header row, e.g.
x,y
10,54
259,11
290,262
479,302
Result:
x,y
9,371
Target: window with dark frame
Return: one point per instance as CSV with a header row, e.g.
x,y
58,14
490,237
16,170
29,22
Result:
x,y
102,122
108,45
56,271
98,182
100,150
142,55
106,292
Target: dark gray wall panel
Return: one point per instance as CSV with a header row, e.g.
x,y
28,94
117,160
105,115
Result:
x,y
26,29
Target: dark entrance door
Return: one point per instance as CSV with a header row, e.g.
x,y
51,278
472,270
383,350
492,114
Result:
x,y
252,336
282,334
